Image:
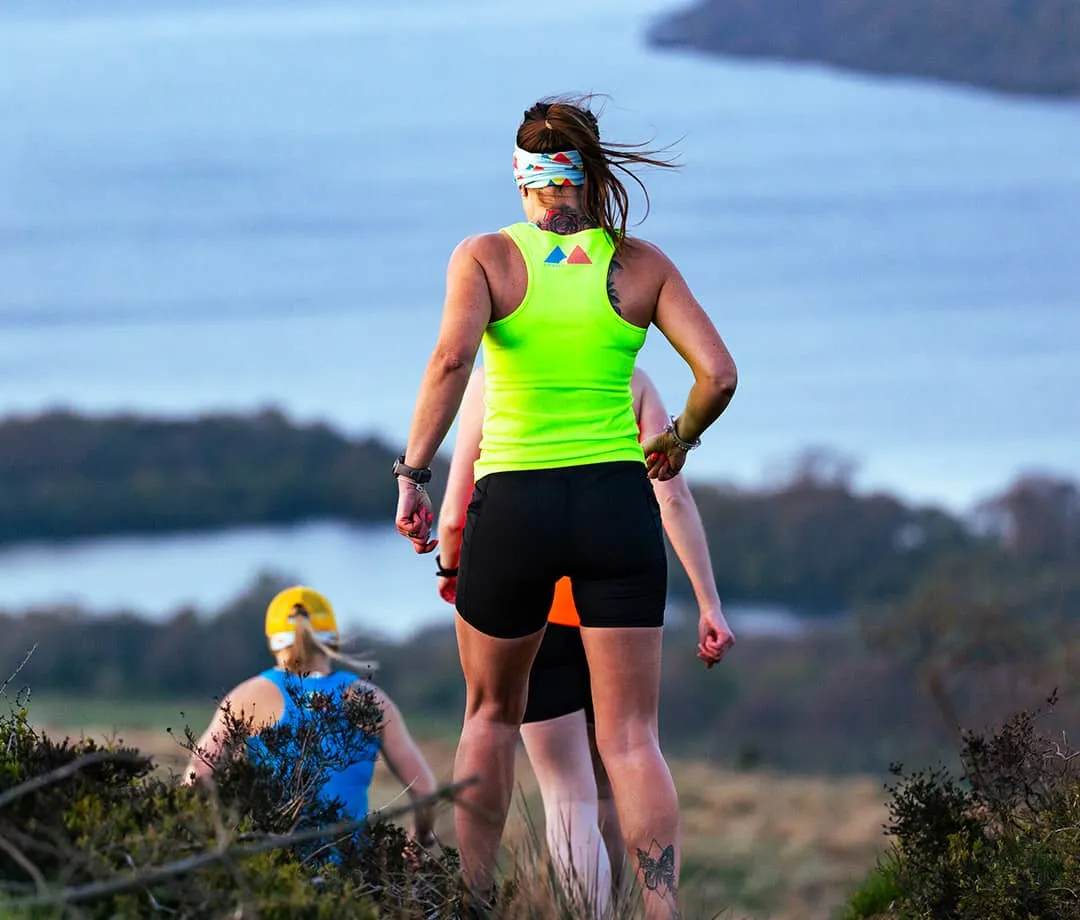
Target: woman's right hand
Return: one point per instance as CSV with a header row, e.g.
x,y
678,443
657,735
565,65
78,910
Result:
x,y
664,458
415,516
424,827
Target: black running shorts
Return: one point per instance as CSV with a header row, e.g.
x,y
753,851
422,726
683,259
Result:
x,y
524,530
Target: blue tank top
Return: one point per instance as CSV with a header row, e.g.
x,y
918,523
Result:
x,y
347,758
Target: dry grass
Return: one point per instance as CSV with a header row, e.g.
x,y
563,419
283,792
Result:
x,y
757,846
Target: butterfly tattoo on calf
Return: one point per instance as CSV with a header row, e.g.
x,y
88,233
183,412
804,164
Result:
x,y
658,871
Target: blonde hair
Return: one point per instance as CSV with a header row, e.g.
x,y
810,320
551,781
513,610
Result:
x,y
307,648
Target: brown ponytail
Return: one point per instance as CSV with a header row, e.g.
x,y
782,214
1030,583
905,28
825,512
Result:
x,y
568,124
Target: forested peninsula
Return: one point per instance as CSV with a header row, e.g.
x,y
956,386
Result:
x,y
1029,47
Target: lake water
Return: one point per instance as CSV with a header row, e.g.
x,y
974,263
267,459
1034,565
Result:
x,y
228,205
375,586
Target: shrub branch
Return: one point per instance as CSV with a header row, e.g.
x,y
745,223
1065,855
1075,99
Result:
x,y
69,769
220,853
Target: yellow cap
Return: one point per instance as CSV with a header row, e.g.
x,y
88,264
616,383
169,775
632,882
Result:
x,y
279,617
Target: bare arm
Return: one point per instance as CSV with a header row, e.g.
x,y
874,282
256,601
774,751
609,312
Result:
x,y
680,514
242,702
209,750
459,485
466,313
682,523
688,328
408,766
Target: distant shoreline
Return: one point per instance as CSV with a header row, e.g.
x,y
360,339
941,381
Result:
x,y
1018,47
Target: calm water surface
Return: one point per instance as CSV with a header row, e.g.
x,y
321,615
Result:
x,y
230,205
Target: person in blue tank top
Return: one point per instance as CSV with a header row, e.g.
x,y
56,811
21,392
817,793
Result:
x,y
302,697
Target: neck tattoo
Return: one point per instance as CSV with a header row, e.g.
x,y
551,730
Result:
x,y
565,221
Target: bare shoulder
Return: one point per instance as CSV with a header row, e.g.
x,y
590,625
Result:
x,y
254,696
649,255
481,246
492,252
250,688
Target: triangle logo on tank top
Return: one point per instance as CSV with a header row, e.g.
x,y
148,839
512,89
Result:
x,y
577,256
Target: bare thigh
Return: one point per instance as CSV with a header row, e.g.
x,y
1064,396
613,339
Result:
x,y
496,673
625,667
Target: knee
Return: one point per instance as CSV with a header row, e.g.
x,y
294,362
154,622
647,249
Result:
x,y
628,742
507,708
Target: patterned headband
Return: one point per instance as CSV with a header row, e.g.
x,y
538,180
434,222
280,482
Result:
x,y
539,170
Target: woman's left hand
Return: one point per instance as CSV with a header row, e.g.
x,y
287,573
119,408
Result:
x,y
415,515
714,636
447,585
664,458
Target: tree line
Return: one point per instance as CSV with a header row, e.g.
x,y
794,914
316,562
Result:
x,y
811,541
897,682
1017,46
64,475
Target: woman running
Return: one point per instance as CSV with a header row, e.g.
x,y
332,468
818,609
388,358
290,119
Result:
x,y
302,633
557,727
562,303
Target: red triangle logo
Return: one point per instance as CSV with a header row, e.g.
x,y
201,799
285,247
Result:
x,y
578,257
562,158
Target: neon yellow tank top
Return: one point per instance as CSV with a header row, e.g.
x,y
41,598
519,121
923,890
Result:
x,y
557,370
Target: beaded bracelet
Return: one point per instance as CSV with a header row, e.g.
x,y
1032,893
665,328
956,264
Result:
x,y
684,445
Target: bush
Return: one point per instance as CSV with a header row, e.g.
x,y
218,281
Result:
x,y
95,827
92,831
877,894
999,842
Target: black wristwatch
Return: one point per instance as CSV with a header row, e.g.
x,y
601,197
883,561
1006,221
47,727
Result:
x,y
444,572
419,476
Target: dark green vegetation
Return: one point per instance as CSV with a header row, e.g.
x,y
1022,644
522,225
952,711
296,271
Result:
x,y
1015,46
999,840
891,685
94,832
89,831
64,475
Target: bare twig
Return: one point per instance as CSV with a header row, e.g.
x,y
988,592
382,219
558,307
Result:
x,y
224,840
69,769
22,664
17,856
158,874
1063,750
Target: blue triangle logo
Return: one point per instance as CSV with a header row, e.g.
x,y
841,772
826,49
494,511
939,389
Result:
x,y
556,256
